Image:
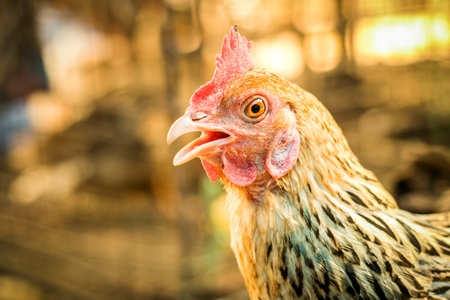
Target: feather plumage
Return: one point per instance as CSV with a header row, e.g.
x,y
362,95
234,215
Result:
x,y
319,227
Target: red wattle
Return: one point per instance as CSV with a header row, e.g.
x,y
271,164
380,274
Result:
x,y
212,171
239,170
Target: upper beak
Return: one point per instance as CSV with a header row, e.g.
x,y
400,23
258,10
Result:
x,y
211,140
182,125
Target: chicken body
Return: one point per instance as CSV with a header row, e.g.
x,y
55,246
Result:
x,y
307,220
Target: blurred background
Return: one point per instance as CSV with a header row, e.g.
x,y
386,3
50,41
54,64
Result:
x,y
90,204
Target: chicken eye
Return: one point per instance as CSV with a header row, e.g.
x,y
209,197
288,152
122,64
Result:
x,y
255,108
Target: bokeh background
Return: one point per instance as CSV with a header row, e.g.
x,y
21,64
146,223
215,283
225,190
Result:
x,y
90,204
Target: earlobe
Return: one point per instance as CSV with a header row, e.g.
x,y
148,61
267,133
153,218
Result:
x,y
283,153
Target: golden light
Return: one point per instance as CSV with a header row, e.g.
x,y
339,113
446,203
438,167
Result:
x,y
323,51
401,39
310,16
49,115
75,55
281,54
178,5
56,181
239,9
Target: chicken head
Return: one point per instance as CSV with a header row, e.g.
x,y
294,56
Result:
x,y
248,130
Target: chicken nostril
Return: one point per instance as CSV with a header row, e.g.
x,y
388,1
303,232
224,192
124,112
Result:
x,y
198,116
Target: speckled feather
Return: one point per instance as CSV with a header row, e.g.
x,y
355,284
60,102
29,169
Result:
x,y
320,226
328,229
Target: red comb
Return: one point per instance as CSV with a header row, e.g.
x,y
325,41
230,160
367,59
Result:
x,y
234,59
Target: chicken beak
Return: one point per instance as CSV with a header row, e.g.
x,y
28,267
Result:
x,y
183,125
211,140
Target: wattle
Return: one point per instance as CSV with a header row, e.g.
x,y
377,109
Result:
x,y
239,170
212,171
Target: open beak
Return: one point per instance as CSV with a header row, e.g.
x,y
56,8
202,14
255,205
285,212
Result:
x,y
211,140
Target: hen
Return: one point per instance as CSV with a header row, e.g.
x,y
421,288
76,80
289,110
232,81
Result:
x,y
307,220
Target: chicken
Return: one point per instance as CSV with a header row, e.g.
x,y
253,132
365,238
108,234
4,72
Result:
x,y
307,220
